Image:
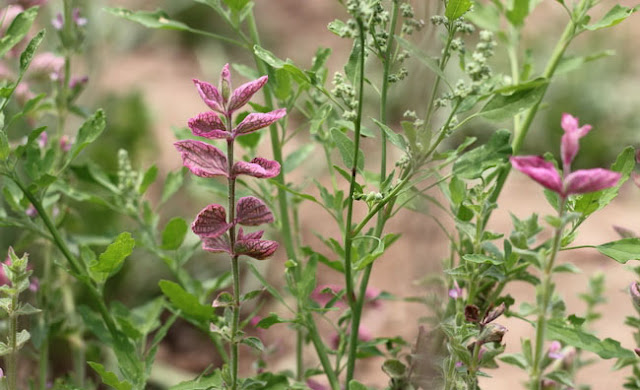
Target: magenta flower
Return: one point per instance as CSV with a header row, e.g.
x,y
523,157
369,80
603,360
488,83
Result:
x,y
569,145
579,182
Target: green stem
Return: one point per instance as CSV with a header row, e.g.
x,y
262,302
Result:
x,y
547,292
348,235
521,132
283,205
319,346
436,84
12,363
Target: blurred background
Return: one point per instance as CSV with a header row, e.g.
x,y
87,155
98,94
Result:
x,y
142,78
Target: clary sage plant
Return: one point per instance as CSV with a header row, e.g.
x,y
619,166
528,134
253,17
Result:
x,y
86,215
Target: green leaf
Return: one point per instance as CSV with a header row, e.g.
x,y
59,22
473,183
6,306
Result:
x,y
615,15
213,381
270,320
423,57
518,13
109,378
156,19
253,342
174,233
186,302
149,177
501,107
515,359
5,149
298,156
28,53
496,151
110,261
345,146
577,337
236,5
394,368
622,250
17,30
351,67
594,201
395,138
561,376
484,15
570,63
172,184
457,8
355,385
482,259
268,57
88,132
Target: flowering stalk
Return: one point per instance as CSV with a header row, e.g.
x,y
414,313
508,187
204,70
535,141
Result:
x,y
578,182
218,233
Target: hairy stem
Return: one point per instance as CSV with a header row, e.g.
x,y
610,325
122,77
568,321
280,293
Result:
x,y
12,361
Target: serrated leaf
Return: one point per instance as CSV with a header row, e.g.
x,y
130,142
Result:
x,y
622,250
110,261
174,233
186,302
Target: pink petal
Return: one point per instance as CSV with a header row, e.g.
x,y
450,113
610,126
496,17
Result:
x,y
225,83
211,222
202,159
258,167
251,211
251,245
539,170
569,122
208,125
216,244
243,93
210,94
590,180
256,121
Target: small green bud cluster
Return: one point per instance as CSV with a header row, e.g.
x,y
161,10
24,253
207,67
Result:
x,y
410,23
344,91
127,180
459,24
412,116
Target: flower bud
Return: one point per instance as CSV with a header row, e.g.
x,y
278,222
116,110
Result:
x,y
472,313
492,333
493,314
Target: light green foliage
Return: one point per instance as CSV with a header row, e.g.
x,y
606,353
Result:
x,y
110,261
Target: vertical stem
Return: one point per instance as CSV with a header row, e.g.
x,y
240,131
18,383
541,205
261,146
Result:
x,y
235,268
283,205
348,236
547,292
12,362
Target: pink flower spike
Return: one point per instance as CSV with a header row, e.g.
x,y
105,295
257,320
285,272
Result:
x,y
251,245
210,95
216,244
208,125
258,167
202,159
590,180
570,143
243,93
251,211
211,222
256,121
225,83
539,170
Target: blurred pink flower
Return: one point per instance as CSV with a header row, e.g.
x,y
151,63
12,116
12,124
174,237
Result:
x,y
555,350
456,291
363,335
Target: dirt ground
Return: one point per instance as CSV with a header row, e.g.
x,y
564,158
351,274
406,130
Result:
x,y
163,74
